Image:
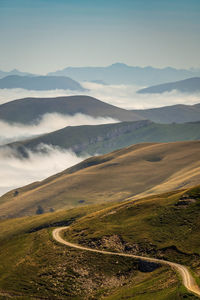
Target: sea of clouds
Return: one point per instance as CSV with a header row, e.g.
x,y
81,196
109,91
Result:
x,y
16,171
124,96
11,132
48,160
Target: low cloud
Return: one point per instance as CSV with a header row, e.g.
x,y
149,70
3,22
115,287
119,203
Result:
x,y
16,172
48,123
124,96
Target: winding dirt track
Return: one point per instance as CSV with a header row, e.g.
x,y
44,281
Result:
x,y
187,278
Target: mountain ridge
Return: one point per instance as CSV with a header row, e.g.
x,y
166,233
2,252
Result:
x,y
29,110
35,108
15,72
190,85
40,83
120,73
101,139
178,113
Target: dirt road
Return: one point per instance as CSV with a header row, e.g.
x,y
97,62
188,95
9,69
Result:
x,y
187,278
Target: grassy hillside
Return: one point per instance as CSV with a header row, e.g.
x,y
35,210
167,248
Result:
x,y
168,114
138,170
102,139
34,265
29,110
165,226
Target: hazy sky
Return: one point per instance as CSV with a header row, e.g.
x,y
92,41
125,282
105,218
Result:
x,y
45,35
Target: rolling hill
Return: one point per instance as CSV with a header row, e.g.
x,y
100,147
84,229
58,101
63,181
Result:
x,y
40,83
164,226
101,139
135,171
191,85
178,113
29,110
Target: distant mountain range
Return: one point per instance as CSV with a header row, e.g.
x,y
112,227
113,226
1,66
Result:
x,y
191,85
119,73
93,139
40,83
29,110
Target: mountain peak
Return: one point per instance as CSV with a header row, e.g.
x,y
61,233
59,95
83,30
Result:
x,y
118,64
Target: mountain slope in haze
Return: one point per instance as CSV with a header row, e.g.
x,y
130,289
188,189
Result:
x,y
179,113
40,83
120,73
134,171
101,139
29,110
35,266
15,72
191,85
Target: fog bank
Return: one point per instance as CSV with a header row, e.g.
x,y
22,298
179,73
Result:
x,y
48,123
16,172
124,96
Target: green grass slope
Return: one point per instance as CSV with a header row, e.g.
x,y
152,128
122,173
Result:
x,y
101,139
138,170
33,265
165,226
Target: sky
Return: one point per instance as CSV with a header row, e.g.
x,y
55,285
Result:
x,y
40,36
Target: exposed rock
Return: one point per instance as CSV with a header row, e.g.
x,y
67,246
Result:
x,y
146,266
185,200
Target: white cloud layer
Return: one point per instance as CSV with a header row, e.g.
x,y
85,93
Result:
x,y
49,122
124,96
16,172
